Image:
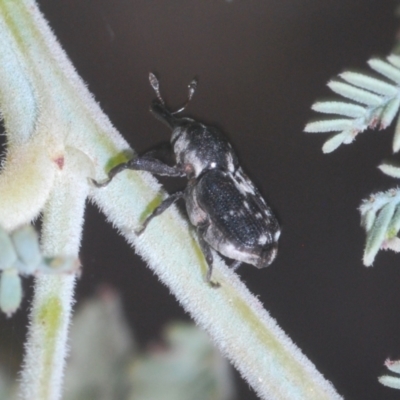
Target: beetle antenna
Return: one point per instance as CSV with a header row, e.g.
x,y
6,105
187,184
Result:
x,y
155,84
191,89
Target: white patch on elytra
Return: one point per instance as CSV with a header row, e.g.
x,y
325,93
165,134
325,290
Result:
x,y
229,162
243,183
262,240
259,216
267,212
232,252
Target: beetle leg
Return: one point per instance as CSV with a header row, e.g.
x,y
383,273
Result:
x,y
206,249
160,209
155,166
235,265
143,163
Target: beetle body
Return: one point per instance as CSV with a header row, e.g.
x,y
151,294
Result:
x,y
222,203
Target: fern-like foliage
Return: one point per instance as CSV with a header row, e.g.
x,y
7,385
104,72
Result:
x,y
370,102
373,103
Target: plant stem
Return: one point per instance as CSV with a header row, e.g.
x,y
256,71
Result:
x,y
57,120
46,350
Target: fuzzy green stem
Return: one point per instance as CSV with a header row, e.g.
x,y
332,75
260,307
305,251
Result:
x,y
46,349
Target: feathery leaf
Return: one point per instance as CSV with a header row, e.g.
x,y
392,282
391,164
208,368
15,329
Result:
x,y
377,233
369,83
329,125
340,107
391,170
390,381
394,59
368,219
353,93
394,225
389,112
385,69
334,142
379,104
396,137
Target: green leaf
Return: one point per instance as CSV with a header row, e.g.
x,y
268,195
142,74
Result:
x,y
356,94
187,368
10,291
341,108
391,170
389,112
369,83
368,219
385,69
390,381
394,225
8,256
26,243
377,233
396,137
394,59
334,142
102,347
330,125
393,365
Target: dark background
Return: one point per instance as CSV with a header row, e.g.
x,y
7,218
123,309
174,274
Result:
x,y
260,64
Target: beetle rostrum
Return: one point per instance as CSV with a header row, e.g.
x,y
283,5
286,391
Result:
x,y
223,205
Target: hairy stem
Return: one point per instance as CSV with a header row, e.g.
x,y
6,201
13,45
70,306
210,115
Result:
x,y
46,350
53,116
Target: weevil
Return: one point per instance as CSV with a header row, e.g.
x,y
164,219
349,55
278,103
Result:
x,y
223,205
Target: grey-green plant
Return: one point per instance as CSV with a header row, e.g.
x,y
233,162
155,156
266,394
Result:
x,y
374,103
182,365
20,255
58,138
